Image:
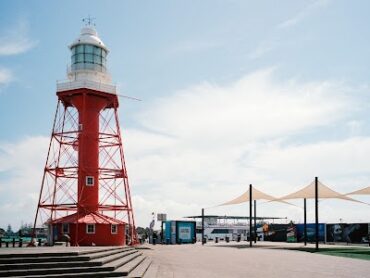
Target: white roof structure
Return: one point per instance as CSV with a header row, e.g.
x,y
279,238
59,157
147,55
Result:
x,y
89,36
363,191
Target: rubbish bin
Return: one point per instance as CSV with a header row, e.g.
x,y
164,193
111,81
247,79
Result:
x,y
216,240
239,238
227,239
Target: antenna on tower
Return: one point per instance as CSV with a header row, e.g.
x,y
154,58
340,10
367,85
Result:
x,y
128,97
89,21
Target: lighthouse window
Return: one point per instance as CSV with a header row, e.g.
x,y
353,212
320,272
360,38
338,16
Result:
x,y
97,59
80,48
114,228
80,58
89,180
89,58
90,228
89,49
97,50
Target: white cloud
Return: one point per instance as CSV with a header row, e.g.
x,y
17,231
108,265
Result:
x,y
16,40
21,169
275,40
355,127
205,144
336,162
310,8
262,49
5,76
254,107
215,140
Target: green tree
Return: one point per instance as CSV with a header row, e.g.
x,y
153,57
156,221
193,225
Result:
x,y
9,231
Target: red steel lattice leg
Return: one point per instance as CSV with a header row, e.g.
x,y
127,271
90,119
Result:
x,y
59,195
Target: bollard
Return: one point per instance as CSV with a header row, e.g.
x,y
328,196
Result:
x,y
20,242
39,241
13,242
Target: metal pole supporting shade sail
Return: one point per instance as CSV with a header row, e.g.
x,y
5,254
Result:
x,y
250,214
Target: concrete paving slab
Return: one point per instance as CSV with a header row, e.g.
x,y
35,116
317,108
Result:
x,y
223,260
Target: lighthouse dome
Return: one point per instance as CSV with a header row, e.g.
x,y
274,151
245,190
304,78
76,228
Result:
x,y
89,36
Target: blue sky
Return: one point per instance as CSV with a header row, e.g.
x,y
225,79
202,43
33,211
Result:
x,y
234,92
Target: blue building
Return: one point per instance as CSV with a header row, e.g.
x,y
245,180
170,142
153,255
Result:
x,y
179,232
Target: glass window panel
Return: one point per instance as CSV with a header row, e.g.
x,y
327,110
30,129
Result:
x,y
80,58
74,59
97,59
89,58
80,48
89,49
104,53
97,50
73,50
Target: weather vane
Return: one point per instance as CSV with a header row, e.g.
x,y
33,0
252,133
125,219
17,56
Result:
x,y
89,21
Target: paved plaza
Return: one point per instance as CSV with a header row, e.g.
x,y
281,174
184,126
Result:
x,y
265,259
238,260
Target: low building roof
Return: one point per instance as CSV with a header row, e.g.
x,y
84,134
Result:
x,y
91,218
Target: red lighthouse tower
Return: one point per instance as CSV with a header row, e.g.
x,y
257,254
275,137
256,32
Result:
x,y
85,192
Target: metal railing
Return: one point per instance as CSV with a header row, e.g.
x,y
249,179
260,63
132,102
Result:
x,y
78,84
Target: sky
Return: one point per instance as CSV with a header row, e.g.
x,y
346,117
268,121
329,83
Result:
x,y
234,92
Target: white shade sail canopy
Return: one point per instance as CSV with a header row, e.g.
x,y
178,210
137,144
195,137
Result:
x,y
363,191
324,192
256,195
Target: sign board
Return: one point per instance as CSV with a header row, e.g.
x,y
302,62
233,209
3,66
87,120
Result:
x,y
350,233
311,232
161,217
185,233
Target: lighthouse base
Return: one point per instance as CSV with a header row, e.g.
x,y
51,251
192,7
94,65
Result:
x,y
93,229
